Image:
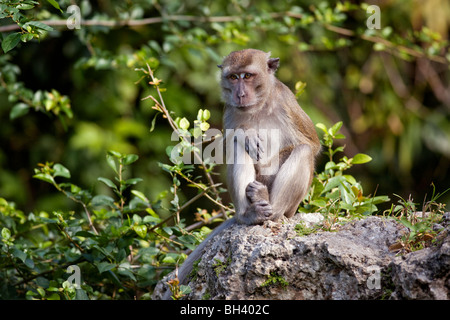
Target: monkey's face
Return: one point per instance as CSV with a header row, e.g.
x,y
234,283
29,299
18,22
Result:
x,y
246,75
242,89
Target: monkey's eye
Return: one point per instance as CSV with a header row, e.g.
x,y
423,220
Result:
x,y
233,77
247,76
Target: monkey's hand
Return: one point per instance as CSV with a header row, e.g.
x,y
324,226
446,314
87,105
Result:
x,y
260,208
254,144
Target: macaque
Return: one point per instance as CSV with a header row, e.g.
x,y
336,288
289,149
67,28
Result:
x,y
271,144
258,103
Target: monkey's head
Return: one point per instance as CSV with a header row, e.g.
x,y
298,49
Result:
x,y
246,77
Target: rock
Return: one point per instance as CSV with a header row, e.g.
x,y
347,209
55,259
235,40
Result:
x,y
271,261
424,274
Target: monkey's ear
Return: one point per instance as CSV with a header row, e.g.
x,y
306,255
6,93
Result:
x,y
273,64
219,66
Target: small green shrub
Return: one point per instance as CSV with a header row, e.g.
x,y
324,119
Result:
x,y
335,194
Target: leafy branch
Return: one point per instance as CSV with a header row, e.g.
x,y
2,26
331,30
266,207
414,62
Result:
x,y
326,16
180,126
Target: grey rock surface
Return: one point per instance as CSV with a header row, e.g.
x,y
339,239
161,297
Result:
x,y
271,261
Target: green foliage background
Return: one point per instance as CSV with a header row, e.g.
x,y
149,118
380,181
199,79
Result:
x,y
70,96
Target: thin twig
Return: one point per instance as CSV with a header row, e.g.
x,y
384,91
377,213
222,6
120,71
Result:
x,y
387,43
152,20
91,224
202,223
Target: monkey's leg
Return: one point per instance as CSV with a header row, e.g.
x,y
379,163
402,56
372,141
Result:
x,y
292,182
239,175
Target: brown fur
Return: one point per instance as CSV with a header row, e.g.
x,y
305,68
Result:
x,y
267,104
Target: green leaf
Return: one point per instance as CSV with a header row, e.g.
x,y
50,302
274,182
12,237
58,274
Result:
x,y
379,199
299,88
350,179
334,129
140,195
115,154
169,260
124,269
29,263
152,127
25,6
185,289
361,158
19,110
151,212
206,115
85,234
406,223
54,296
129,159
333,183
26,37
189,241
133,181
44,177
39,25
322,127
20,254
168,230
319,203
184,124
41,291
346,206
111,162
108,182
102,200
11,41
6,234
61,171
55,5
105,266
330,165
197,132
81,295
141,230
151,219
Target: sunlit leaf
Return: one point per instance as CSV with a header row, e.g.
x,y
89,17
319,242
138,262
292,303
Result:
x,y
19,110
361,158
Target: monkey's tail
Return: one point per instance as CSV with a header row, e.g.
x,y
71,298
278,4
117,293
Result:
x,y
186,267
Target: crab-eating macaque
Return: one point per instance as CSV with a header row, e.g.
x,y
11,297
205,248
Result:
x,y
266,110
271,144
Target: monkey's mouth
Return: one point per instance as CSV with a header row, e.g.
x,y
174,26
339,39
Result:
x,y
244,104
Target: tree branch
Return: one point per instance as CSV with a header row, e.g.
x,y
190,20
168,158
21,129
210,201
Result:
x,y
222,19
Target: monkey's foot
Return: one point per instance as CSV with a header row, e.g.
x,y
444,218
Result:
x,y
257,213
260,208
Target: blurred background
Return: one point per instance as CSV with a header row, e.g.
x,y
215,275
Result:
x,y
71,96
